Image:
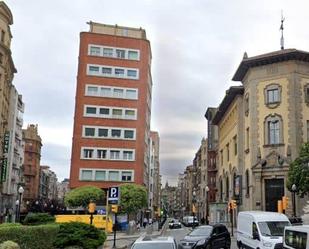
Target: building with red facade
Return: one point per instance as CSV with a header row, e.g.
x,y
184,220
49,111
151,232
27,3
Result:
x,y
112,108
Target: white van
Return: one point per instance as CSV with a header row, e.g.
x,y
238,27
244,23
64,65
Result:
x,y
189,220
258,229
296,237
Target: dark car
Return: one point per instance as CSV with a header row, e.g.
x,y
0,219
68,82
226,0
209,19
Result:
x,y
174,224
209,237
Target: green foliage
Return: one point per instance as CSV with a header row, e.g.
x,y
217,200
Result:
x,y
34,237
132,198
82,196
10,225
299,171
9,245
79,234
38,219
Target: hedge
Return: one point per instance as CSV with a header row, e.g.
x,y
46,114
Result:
x,y
38,219
34,237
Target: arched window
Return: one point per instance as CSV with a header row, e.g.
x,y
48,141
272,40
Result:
x,y
247,184
273,127
227,188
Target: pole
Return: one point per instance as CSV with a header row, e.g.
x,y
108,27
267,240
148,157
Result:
x,y
91,218
115,229
106,220
19,207
207,210
232,225
294,204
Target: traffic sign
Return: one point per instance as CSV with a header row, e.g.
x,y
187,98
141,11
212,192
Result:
x,y
113,195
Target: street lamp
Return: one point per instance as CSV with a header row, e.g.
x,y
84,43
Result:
x,y
294,188
207,206
91,210
16,210
20,193
193,207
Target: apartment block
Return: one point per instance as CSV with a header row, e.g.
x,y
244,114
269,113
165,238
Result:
x,y
31,166
111,133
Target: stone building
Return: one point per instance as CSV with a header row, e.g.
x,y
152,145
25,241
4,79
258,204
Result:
x,y
62,189
48,185
261,126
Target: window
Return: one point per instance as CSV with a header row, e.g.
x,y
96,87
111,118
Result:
x,y
108,52
306,93
104,111
120,53
118,93
128,155
221,190
247,139
93,70
235,145
89,132
247,184
227,187
272,96
307,130
116,133
130,113
273,129
295,239
101,154
113,175
91,110
100,175
94,50
117,112
114,154
228,152
128,134
126,176
247,104
93,91
106,70
132,73
133,55
86,175
2,35
221,157
119,72
103,132
88,153
131,94
106,92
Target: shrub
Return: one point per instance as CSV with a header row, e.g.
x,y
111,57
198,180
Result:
x,y
79,234
10,225
38,219
9,245
34,237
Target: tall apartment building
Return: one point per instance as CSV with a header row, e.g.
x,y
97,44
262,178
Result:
x,y
7,70
32,158
48,184
112,108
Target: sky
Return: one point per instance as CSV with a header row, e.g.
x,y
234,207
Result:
x,y
197,46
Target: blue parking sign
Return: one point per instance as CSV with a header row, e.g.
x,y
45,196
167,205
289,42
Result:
x,y
113,195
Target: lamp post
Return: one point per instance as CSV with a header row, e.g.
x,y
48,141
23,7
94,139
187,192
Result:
x,y
294,188
207,206
20,193
193,207
16,210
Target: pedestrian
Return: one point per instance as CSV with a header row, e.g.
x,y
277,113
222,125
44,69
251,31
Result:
x,y
203,220
145,222
150,221
138,226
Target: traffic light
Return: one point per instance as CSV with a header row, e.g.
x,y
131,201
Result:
x,y
114,209
285,202
234,204
280,206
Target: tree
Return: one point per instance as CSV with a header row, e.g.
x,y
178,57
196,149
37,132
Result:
x,y
82,196
132,198
299,171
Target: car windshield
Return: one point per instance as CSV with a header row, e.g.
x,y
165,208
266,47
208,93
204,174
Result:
x,y
201,231
273,228
154,246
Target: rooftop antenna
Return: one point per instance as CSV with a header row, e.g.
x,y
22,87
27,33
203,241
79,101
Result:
x,y
281,28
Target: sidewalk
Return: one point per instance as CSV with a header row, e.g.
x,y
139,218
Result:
x,y
123,240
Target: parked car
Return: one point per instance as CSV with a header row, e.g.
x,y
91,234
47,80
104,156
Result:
x,y
174,224
188,221
296,237
148,242
210,236
263,230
